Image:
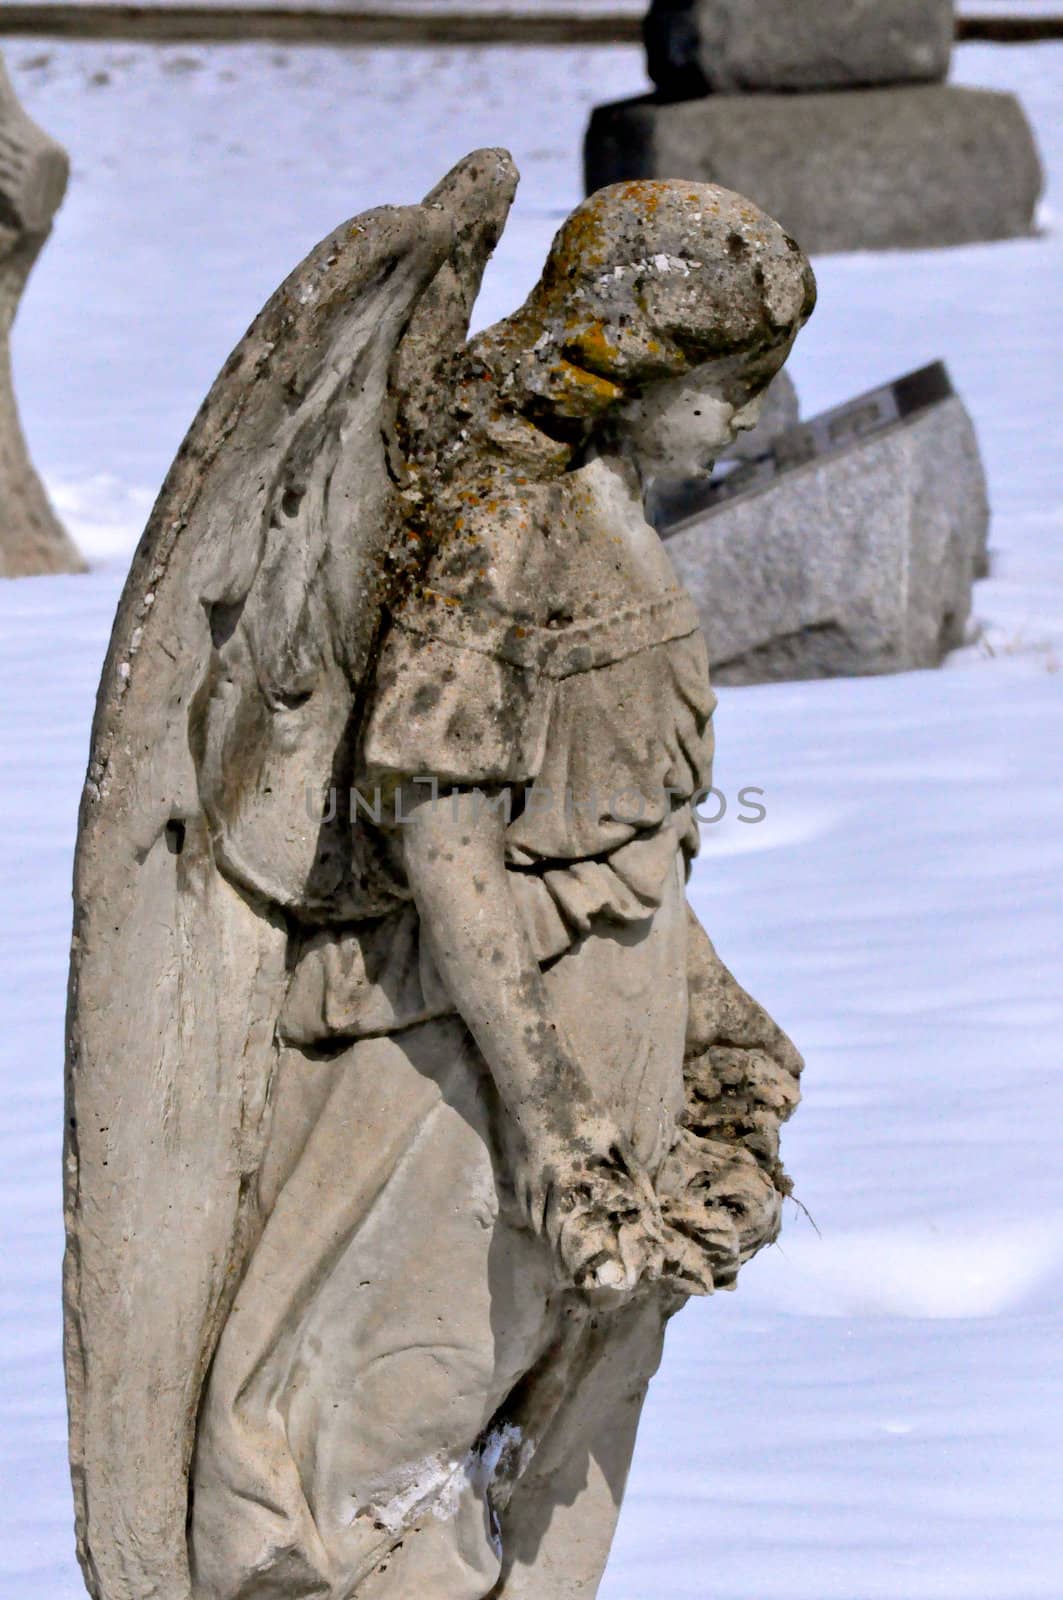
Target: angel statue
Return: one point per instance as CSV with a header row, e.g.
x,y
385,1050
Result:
x,y
407,1101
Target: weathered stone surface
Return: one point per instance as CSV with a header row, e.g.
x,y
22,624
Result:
x,y
875,169
857,561
33,175
399,1126
697,47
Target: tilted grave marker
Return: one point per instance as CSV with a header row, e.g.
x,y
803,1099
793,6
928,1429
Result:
x,y
849,547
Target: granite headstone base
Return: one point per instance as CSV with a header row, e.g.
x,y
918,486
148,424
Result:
x,y
862,169
850,548
697,47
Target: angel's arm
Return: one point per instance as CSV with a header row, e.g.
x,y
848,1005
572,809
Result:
x,y
454,859
563,1143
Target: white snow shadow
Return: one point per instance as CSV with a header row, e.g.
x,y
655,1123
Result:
x,y
788,824
983,1272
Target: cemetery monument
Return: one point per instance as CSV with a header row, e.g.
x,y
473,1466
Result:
x,y
407,1099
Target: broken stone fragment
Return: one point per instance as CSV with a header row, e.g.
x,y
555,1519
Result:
x,y
33,177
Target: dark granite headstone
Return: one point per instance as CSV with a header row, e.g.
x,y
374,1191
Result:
x,y
697,47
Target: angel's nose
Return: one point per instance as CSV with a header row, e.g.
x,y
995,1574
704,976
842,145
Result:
x,y
745,420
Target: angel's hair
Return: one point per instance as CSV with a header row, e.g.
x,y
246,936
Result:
x,y
646,281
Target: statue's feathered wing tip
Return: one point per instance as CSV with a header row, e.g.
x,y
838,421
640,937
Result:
x,y
475,198
476,195
479,177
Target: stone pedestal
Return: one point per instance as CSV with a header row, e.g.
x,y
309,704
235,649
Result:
x,y
865,169
850,549
33,177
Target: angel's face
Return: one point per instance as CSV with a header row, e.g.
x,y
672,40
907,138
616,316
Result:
x,y
679,428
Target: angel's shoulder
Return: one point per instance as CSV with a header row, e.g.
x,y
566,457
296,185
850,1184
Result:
x,y
499,548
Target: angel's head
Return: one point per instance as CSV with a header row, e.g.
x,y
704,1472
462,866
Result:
x,y
663,312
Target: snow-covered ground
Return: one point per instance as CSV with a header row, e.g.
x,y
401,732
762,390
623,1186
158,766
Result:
x,y
874,1415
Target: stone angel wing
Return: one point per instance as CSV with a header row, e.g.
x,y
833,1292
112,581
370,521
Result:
x,y
228,705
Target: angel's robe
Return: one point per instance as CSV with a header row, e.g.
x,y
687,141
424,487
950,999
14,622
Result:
x,y
396,1304
568,680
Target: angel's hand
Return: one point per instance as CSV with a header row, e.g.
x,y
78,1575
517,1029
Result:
x,y
594,1202
716,1199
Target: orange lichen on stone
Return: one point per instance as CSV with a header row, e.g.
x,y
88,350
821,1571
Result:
x,y
597,346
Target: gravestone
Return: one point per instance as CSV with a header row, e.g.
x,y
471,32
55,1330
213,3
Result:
x,y
33,177
850,548
834,118
871,169
731,46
